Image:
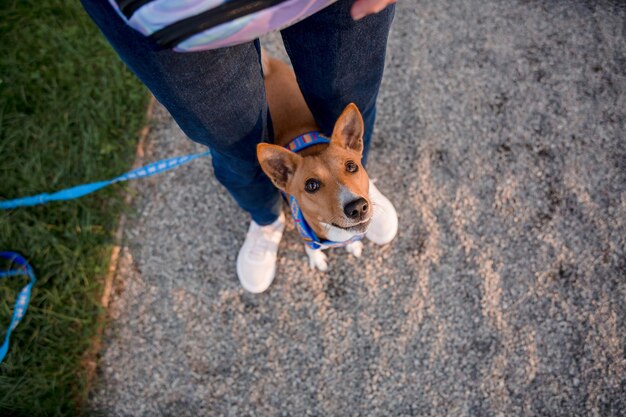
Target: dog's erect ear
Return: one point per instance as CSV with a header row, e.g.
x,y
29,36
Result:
x,y
278,163
348,131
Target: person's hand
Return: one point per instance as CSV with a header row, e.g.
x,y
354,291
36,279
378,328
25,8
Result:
x,y
362,8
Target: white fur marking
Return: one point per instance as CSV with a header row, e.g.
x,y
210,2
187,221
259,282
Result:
x,y
317,259
355,248
336,234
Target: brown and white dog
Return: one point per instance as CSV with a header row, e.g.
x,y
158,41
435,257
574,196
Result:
x,y
327,180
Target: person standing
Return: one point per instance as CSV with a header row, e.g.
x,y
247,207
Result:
x,y
217,97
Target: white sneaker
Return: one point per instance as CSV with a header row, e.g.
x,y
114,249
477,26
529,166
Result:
x,y
256,262
384,225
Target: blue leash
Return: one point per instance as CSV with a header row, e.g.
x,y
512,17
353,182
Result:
x,y
84,189
21,303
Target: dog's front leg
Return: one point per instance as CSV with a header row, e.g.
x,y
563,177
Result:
x,y
317,258
355,248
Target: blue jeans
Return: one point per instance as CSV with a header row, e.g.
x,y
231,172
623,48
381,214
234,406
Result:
x,y
218,97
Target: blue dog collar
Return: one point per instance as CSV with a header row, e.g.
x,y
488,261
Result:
x,y
308,235
304,141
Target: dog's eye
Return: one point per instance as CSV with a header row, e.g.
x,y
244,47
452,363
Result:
x,y
351,166
311,185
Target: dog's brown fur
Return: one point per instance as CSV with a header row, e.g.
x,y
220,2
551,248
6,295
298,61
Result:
x,y
291,117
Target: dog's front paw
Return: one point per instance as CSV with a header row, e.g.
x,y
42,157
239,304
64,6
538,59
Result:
x,y
317,259
355,248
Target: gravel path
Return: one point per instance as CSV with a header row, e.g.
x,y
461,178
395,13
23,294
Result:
x,y
501,140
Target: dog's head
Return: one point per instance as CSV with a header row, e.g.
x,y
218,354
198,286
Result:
x,y
331,186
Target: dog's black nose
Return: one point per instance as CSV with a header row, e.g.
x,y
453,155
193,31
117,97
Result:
x,y
356,209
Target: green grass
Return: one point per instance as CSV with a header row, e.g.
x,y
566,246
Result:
x,y
69,113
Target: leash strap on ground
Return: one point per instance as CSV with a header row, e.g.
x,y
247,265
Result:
x,y
84,189
21,302
24,268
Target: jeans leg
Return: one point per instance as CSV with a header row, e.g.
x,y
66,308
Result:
x,y
216,97
338,60
246,183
